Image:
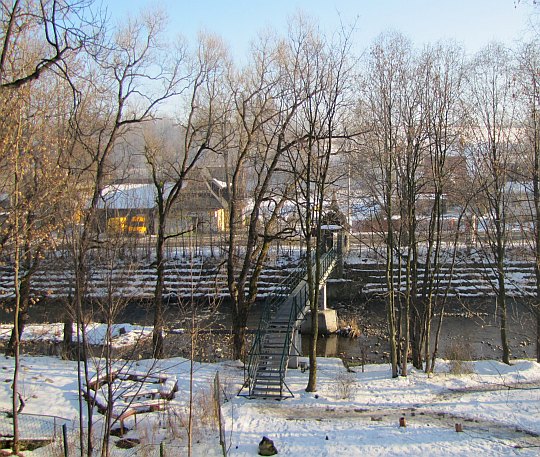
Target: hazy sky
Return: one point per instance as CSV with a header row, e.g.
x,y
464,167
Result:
x,y
472,23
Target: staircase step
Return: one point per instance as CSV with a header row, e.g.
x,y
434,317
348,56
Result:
x,y
269,366
261,392
270,363
269,369
270,372
268,382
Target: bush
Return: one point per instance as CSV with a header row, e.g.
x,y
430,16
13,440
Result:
x,y
345,385
349,327
459,356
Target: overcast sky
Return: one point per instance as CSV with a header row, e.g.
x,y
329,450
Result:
x,y
472,23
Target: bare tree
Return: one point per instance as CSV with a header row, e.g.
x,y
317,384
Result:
x,y
41,183
410,185
29,154
444,66
492,112
264,106
529,82
122,86
198,128
381,117
59,30
321,78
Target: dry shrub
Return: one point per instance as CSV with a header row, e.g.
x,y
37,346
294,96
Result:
x,y
203,407
459,356
56,448
228,386
345,385
176,422
348,326
176,419
148,432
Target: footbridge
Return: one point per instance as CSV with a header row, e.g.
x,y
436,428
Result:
x,y
276,345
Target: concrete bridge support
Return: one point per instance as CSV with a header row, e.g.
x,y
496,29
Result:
x,y
328,321
296,348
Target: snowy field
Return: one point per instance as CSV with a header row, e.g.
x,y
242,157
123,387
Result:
x,y
351,414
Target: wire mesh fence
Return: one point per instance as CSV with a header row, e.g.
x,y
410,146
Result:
x,y
36,432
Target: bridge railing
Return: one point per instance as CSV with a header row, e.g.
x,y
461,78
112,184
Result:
x,y
300,301
282,294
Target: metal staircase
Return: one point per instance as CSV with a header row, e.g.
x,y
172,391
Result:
x,y
275,337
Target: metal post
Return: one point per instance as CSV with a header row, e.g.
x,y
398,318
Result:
x,y
64,434
322,298
161,450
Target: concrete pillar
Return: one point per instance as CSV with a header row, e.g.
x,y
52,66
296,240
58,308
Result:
x,y
322,298
296,347
328,322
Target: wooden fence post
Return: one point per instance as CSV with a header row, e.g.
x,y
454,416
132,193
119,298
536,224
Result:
x,y
217,409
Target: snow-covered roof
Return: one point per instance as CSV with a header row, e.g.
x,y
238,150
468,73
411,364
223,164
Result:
x,y
130,196
333,227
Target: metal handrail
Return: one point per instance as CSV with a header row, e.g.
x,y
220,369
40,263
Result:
x,y
283,293
284,289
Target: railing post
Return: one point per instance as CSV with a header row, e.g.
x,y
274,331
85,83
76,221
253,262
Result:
x,y
64,435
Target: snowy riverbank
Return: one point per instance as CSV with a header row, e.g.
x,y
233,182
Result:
x,y
352,413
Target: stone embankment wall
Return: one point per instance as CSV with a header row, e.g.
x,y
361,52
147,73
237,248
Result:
x,y
184,280
467,280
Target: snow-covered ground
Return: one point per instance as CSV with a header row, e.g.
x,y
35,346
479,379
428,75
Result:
x,y
121,334
351,414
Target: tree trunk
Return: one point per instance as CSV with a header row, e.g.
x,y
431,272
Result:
x,y
24,304
15,384
501,299
391,305
312,285
312,381
536,213
157,333
239,326
537,313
